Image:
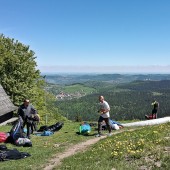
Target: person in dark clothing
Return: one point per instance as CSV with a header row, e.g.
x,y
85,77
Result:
x,y
22,110
25,113
155,105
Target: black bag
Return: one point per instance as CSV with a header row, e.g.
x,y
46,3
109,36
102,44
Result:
x,y
3,147
52,128
12,155
16,131
43,128
55,127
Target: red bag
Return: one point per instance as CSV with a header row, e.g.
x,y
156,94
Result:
x,y
3,137
152,116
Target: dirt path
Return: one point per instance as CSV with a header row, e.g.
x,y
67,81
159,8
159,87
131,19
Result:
x,y
71,151
57,160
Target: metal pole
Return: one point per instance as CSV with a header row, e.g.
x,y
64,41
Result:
x,y
45,100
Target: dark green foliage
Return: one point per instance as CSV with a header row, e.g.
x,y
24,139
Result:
x,y
19,76
128,101
21,79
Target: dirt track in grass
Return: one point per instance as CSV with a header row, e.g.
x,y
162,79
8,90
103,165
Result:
x,y
57,159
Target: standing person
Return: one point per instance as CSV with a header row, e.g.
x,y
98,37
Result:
x,y
25,113
105,116
155,105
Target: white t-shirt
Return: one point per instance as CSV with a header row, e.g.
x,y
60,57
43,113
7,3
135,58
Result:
x,y
106,106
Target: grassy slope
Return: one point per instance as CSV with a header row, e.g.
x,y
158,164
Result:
x,y
43,147
147,147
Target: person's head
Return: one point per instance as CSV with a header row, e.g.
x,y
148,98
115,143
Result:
x,y
26,102
101,99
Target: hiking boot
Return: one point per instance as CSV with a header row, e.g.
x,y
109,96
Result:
x,y
99,135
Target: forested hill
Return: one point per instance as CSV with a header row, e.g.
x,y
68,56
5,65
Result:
x,y
112,78
128,101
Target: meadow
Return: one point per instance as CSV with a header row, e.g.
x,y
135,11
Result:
x,y
145,148
140,148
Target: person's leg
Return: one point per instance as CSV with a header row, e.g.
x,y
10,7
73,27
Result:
x,y
108,124
25,121
100,124
28,129
32,128
156,111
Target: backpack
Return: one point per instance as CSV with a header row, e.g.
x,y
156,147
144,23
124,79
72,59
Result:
x,y
85,129
16,131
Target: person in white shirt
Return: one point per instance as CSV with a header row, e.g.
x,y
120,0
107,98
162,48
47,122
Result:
x,y
104,116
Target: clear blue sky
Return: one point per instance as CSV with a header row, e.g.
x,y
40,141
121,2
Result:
x,y
92,35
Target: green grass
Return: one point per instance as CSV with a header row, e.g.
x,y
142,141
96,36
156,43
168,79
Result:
x,y
146,147
44,147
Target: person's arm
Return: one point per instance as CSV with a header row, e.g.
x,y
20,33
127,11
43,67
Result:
x,y
105,110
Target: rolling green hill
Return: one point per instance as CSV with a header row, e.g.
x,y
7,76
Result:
x,y
127,101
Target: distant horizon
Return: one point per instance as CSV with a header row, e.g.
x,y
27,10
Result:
x,y
138,69
87,73
92,36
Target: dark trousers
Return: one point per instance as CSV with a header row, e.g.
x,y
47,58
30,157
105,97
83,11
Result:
x,y
154,113
101,119
28,128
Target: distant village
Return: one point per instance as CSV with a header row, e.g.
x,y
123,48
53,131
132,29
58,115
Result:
x,y
67,96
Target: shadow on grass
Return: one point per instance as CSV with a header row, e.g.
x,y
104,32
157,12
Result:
x,y
78,133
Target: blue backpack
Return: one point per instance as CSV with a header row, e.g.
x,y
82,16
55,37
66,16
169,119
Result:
x,y
85,129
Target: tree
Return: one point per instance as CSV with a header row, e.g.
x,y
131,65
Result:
x,y
18,73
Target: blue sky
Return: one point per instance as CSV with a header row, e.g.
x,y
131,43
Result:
x,y
114,36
